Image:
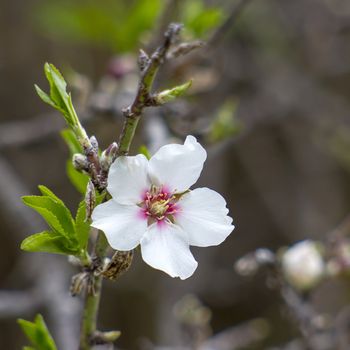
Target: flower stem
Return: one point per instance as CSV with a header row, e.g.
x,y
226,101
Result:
x,y
92,299
128,133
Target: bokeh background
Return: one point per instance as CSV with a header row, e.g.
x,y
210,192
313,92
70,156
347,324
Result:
x,y
271,103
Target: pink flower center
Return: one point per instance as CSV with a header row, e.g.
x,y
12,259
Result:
x,y
158,204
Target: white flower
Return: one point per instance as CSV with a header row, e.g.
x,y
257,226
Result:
x,y
303,265
152,206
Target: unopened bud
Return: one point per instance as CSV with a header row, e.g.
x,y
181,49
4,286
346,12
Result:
x,y
120,263
264,256
90,199
100,338
143,60
80,162
171,94
78,283
108,156
303,265
247,265
185,48
94,143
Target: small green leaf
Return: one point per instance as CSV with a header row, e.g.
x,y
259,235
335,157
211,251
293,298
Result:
x,y
49,217
71,141
44,96
199,18
171,94
225,124
62,101
48,242
144,150
82,226
54,212
47,192
78,179
38,334
58,93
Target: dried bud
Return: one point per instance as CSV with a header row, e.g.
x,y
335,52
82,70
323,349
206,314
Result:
x,y
90,199
143,60
108,156
119,264
303,265
80,162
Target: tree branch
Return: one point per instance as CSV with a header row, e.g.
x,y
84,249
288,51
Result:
x,y
144,97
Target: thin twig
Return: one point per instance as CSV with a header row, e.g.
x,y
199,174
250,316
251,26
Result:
x,y
144,97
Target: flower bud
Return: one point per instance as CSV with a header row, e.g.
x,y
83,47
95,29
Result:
x,y
108,156
143,60
80,162
78,283
303,265
90,199
94,143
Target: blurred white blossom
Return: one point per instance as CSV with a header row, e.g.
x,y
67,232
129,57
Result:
x,y
152,206
303,265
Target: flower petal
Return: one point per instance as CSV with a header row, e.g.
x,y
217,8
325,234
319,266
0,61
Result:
x,y
128,179
177,167
123,225
203,216
165,247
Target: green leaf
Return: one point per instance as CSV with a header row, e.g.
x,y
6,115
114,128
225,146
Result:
x,y
48,242
112,20
58,93
78,179
44,96
49,217
82,226
144,150
54,212
62,101
71,141
47,192
225,124
199,19
38,334
171,94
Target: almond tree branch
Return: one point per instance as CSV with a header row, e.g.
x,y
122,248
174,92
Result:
x,y
149,67
144,97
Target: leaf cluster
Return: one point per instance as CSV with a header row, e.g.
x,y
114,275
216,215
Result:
x,y
67,236
58,98
112,20
38,334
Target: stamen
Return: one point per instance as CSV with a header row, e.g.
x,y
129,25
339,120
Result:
x,y
159,205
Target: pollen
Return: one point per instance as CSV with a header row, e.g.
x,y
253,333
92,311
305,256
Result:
x,y
159,204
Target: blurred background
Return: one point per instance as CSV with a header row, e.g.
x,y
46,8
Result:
x,y
270,101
